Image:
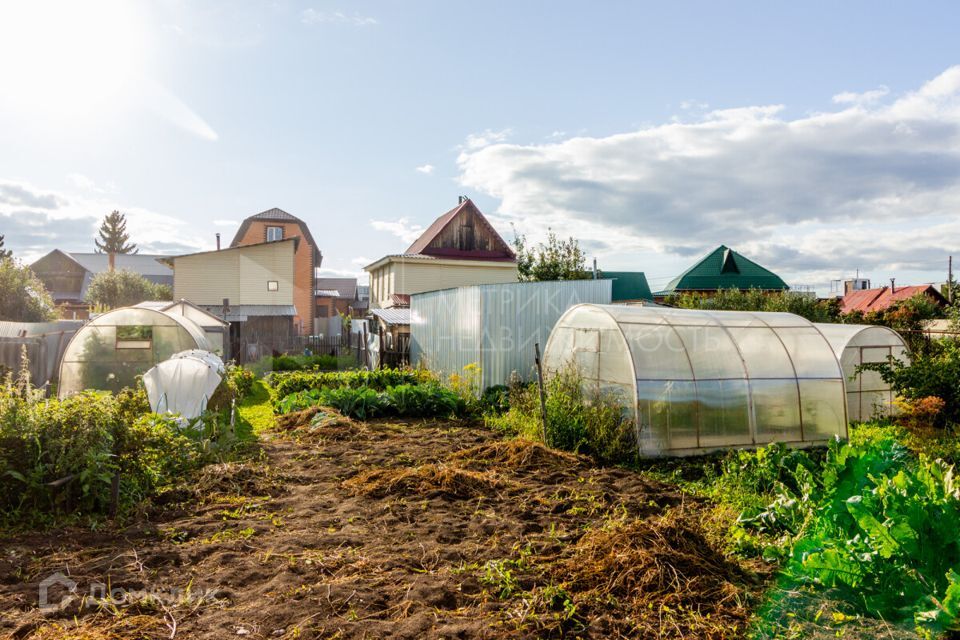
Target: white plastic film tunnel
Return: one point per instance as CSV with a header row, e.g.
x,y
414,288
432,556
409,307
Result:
x,y
868,396
695,381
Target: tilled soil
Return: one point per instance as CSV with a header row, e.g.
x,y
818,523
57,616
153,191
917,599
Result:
x,y
389,529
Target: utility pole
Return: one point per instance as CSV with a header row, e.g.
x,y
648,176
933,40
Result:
x,y
950,279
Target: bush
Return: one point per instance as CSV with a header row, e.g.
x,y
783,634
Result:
x,y
63,456
23,297
407,400
933,373
577,420
285,384
305,363
123,288
757,300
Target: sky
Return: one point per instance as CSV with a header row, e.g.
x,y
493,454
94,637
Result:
x,y
821,139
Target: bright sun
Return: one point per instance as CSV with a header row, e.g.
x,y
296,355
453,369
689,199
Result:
x,y
67,57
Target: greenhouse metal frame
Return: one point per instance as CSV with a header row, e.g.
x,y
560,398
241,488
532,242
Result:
x,y
695,381
110,351
868,396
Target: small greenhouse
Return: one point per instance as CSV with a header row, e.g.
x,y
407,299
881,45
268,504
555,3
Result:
x,y
694,381
184,383
110,351
868,395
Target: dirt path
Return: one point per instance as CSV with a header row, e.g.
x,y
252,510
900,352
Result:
x,y
389,529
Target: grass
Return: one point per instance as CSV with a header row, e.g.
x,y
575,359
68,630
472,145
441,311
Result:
x,y
255,413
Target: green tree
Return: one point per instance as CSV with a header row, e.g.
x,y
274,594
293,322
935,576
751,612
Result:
x,y
756,300
4,253
112,289
23,298
162,292
114,238
554,260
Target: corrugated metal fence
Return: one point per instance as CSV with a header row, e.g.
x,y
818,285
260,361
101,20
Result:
x,y
45,343
494,325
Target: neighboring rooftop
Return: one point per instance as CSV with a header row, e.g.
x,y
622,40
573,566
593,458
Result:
x,y
462,232
337,287
393,316
145,264
867,300
724,268
628,285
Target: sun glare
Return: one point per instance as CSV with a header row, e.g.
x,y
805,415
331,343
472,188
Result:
x,y
67,57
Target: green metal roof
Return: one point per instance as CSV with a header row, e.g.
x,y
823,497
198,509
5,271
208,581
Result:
x,y
628,285
724,268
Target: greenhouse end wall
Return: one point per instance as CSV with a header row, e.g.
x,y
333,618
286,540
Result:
x,y
868,395
495,326
695,381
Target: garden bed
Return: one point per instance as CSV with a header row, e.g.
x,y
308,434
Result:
x,y
394,528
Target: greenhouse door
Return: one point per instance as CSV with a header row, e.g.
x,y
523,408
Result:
x,y
586,355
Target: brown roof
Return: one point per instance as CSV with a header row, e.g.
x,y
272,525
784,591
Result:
x,y
421,244
867,300
274,215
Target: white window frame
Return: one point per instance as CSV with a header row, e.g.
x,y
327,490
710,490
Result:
x,y
276,230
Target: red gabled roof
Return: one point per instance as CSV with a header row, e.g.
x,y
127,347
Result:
x,y
422,244
867,300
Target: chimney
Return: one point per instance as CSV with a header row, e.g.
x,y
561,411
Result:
x,y
462,199
893,285
218,241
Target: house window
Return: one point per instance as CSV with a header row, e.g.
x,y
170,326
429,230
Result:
x,y
136,336
274,234
323,311
273,285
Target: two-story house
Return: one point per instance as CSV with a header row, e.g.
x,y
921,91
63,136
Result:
x,y
274,225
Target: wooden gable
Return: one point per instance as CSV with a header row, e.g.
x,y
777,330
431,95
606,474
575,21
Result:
x,y
462,232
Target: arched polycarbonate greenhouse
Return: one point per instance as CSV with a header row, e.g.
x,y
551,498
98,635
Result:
x,y
110,351
868,395
695,381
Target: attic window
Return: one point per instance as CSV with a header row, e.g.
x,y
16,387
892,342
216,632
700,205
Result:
x,y
274,234
273,285
729,264
134,336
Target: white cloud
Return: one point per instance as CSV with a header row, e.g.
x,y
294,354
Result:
x,y
860,186
314,16
402,228
361,261
36,221
227,223
866,98
426,168
486,138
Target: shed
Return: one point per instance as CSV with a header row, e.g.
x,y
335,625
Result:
x,y
110,351
695,381
629,286
493,325
855,344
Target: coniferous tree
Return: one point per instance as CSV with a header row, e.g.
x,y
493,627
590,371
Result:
x,y
4,253
114,238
